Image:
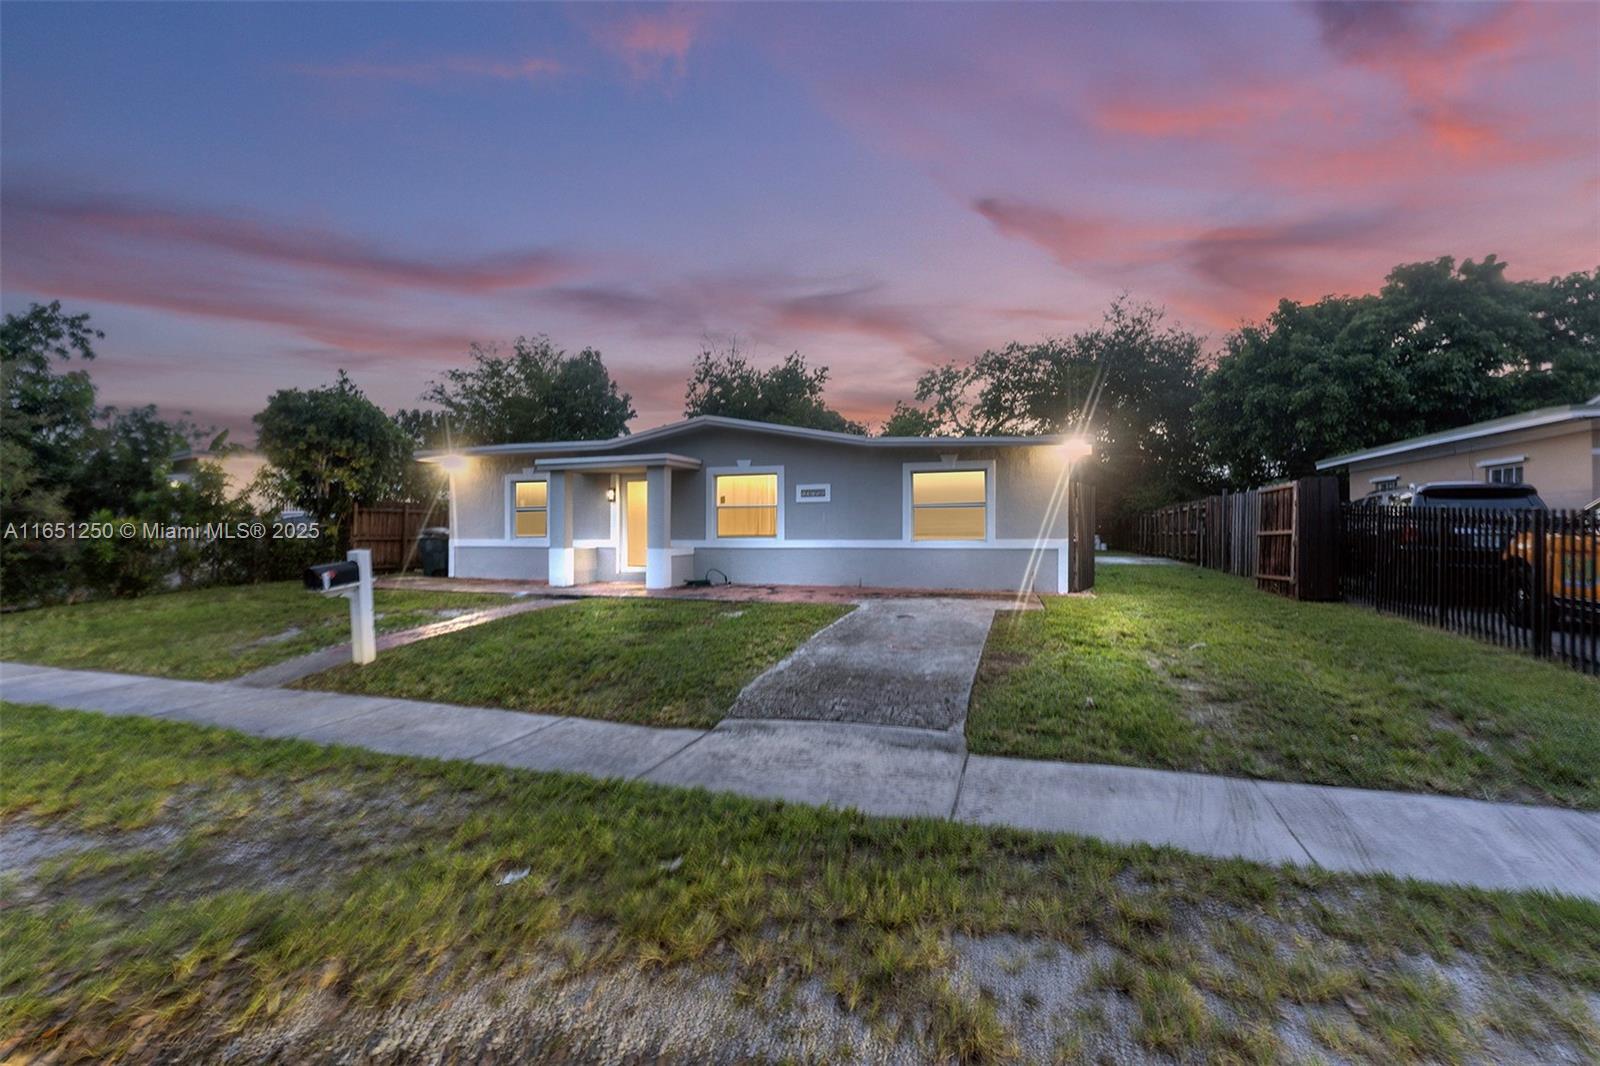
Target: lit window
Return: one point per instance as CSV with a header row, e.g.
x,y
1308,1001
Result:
x,y
1510,474
530,503
949,505
747,505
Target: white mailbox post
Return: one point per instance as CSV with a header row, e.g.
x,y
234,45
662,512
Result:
x,y
351,579
363,641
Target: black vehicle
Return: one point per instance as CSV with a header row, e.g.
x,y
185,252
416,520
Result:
x,y
1460,532
1473,495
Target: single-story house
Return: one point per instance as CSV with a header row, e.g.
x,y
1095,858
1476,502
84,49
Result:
x,y
763,504
1554,449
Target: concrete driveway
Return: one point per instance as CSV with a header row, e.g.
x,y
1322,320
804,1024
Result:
x,y
890,662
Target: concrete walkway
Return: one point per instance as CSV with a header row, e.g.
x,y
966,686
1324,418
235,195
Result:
x,y
291,670
899,771
888,662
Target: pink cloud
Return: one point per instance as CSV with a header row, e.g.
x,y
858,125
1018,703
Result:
x,y
348,258
653,43
434,71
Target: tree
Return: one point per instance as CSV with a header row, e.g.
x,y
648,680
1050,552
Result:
x,y
1439,346
330,449
908,421
789,394
1128,383
538,392
48,420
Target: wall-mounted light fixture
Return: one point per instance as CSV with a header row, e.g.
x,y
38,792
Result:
x,y
452,463
1077,447
611,494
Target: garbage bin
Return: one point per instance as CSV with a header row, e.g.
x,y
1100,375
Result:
x,y
433,551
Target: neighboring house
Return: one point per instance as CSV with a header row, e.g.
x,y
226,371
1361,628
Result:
x,y
763,504
239,468
1554,449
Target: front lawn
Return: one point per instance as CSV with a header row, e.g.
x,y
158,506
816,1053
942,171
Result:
x,y
653,662
209,634
175,891
1187,669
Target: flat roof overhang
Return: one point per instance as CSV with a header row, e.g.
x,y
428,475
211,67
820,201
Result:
x,y
618,464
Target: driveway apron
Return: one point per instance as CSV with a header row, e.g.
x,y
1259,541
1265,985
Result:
x,y
889,662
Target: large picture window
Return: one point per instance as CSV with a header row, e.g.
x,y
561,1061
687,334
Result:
x,y
530,502
949,505
747,505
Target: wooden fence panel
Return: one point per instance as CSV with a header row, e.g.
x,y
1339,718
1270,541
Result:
x,y
389,530
1080,526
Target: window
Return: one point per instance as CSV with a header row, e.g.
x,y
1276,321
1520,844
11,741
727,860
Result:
x,y
1509,474
529,506
949,505
1385,484
747,505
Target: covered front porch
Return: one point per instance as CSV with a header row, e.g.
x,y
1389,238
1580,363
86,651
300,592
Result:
x,y
638,496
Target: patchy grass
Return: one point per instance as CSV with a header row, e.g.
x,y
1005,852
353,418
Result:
x,y
209,634
208,887
654,662
1186,669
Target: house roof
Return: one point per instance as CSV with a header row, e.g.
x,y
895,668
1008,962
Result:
x,y
700,421
1544,416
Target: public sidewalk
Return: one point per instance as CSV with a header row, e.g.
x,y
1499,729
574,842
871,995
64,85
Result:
x,y
893,771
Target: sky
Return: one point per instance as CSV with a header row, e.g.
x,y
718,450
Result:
x,y
248,197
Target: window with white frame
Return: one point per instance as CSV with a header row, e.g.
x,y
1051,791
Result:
x,y
530,508
747,505
1504,474
949,504
1385,484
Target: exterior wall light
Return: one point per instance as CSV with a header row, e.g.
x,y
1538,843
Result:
x,y
611,494
1077,447
452,463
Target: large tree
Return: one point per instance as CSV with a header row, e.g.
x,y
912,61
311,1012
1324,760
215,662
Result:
x,y
790,393
1128,383
536,392
1438,346
47,424
330,449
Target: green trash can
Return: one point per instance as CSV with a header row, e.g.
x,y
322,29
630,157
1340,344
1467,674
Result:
x,y
433,551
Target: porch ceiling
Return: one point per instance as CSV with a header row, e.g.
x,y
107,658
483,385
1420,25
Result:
x,y
618,464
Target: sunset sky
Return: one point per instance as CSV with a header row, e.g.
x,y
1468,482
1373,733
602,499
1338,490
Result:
x,y
248,197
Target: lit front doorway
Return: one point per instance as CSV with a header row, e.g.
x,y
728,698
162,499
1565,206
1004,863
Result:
x,y
635,523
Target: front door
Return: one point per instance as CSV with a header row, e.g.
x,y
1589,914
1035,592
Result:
x,y
635,522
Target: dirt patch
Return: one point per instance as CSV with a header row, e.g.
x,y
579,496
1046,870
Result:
x,y
242,835
1200,703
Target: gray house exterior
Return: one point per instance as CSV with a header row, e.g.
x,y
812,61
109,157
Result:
x,y
763,504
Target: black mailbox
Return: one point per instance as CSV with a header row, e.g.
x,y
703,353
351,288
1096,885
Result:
x,y
326,577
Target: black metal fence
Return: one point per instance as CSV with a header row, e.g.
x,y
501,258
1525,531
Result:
x,y
1520,579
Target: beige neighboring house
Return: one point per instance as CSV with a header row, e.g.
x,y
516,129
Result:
x,y
1554,449
238,467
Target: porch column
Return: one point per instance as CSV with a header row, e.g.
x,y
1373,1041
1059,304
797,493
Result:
x,y
658,540
558,501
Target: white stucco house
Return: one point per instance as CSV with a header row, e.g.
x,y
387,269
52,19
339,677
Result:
x,y
764,504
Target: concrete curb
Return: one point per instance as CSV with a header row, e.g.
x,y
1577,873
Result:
x,y
900,772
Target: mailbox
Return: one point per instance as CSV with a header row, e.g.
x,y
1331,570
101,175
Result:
x,y
332,577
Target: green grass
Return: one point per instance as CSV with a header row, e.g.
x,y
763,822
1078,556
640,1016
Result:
x,y
654,662
380,879
1186,669
207,634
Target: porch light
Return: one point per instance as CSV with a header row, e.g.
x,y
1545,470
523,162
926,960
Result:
x,y
1077,447
611,494
452,463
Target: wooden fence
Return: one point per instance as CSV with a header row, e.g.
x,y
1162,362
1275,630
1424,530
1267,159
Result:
x,y
1080,531
389,531
1285,536
1521,579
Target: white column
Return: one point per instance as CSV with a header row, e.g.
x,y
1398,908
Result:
x,y
363,642
658,541
558,501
